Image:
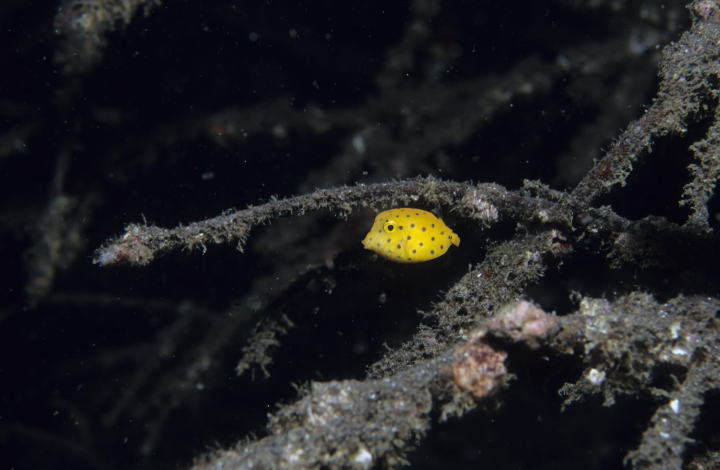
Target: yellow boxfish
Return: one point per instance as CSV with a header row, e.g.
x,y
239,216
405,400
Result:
x,y
408,235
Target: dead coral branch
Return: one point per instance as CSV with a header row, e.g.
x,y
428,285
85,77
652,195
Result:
x,y
345,424
689,72
357,424
624,342
140,244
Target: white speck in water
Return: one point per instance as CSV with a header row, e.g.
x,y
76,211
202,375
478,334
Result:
x,y
358,144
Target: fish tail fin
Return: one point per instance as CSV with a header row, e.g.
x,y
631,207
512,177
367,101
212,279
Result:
x,y
455,239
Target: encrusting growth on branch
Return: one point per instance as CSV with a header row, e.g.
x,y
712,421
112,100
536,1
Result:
x,y
689,72
140,244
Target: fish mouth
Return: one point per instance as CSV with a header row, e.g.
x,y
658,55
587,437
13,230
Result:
x,y
365,243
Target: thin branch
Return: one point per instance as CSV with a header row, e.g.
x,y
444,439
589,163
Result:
x,y
140,244
688,71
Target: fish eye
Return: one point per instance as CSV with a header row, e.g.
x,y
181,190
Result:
x,y
389,226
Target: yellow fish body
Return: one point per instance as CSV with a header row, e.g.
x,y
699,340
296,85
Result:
x,y
408,235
